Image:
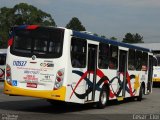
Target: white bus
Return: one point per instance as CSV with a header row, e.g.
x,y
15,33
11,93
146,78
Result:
x,y
65,65
3,53
156,70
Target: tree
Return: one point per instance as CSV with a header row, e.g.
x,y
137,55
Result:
x,y
138,38
75,24
113,38
5,21
22,14
103,36
28,14
128,38
133,38
95,34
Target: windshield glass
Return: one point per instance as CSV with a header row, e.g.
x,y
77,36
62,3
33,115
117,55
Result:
x,y
42,42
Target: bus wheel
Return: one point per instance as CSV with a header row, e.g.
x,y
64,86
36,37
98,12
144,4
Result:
x,y
141,91
103,98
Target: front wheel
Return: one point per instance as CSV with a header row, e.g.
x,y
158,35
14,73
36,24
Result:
x,y
103,98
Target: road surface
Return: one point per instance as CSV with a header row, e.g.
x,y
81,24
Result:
x,y
28,108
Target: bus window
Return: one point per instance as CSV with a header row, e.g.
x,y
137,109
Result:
x,y
138,60
2,59
44,43
40,45
131,60
78,52
145,61
103,56
155,61
113,61
158,59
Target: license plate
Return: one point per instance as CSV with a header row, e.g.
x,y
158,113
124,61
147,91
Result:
x,y
32,85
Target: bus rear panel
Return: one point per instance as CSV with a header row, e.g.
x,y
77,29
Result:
x,y
34,66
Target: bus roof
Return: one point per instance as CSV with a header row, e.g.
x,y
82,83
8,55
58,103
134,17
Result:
x,y
90,37
100,39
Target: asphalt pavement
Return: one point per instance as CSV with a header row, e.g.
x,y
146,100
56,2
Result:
x,y
28,108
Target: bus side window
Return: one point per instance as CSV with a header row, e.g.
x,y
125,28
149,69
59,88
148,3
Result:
x,y
144,62
138,60
103,56
78,52
155,61
2,59
131,60
158,60
113,61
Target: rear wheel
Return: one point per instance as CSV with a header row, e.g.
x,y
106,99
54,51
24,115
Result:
x,y
103,98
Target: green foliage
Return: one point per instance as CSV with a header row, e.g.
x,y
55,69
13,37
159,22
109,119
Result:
x,y
95,34
133,38
75,24
138,38
21,14
113,38
103,36
28,14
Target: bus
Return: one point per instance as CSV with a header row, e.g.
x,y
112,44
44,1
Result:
x,y
3,53
156,70
60,64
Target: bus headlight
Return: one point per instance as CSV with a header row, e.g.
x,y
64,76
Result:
x,y
59,79
8,74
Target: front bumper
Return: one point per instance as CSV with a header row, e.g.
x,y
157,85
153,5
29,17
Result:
x,y
156,79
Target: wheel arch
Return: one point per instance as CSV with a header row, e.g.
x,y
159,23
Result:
x,y
106,86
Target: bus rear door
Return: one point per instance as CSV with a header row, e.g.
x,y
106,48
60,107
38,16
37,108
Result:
x,y
150,73
122,73
92,69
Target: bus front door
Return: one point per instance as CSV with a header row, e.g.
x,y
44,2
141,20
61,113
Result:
x,y
122,73
92,69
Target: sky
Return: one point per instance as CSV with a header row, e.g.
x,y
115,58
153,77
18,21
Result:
x,y
104,17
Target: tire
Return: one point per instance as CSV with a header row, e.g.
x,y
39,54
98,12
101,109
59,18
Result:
x,y
103,98
141,92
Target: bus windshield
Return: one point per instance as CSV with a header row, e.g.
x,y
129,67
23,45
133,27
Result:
x,y
42,42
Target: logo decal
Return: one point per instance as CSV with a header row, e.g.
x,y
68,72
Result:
x,y
14,82
33,57
19,63
47,65
103,79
